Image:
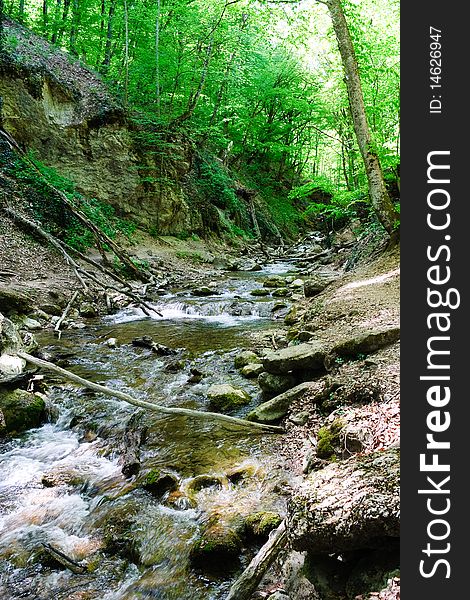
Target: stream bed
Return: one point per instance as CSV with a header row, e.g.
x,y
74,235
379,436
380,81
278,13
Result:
x,y
62,485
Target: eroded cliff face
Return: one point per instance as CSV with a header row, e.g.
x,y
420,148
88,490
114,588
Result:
x,y
64,113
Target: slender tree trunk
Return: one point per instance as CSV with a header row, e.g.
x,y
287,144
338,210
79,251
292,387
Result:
x,y
157,58
45,17
379,197
126,54
109,38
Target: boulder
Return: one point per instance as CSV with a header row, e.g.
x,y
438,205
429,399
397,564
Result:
x,y
275,384
259,292
314,286
88,310
218,547
275,409
13,300
203,291
158,482
274,282
281,292
246,357
251,371
301,357
31,324
224,397
10,340
22,410
348,505
367,341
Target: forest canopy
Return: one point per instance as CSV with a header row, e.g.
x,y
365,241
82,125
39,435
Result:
x,y
260,84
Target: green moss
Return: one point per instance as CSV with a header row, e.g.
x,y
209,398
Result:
x,y
260,524
328,439
22,410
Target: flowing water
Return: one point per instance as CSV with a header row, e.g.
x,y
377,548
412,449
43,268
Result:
x,y
62,486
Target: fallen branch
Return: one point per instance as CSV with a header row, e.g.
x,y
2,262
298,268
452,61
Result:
x,y
246,584
79,272
52,240
187,412
64,560
64,314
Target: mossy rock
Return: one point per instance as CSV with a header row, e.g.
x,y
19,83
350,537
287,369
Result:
x,y
275,281
158,482
260,524
225,397
218,547
329,439
251,371
292,316
201,482
281,292
22,410
275,384
260,292
12,300
244,358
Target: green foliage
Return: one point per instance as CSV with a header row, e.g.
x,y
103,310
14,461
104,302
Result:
x,y
217,187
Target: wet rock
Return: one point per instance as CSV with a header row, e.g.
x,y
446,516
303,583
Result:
x,y
260,524
203,291
147,342
275,384
281,292
3,425
62,475
201,482
296,358
196,375
224,397
251,371
297,283
244,358
179,501
260,292
238,475
158,483
348,505
88,310
275,409
275,281
218,547
22,410
314,286
366,342
256,267
174,365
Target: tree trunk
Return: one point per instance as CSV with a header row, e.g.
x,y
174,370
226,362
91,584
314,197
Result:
x,y
157,58
377,191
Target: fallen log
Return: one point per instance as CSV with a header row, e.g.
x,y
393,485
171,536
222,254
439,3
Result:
x,y
186,412
245,586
